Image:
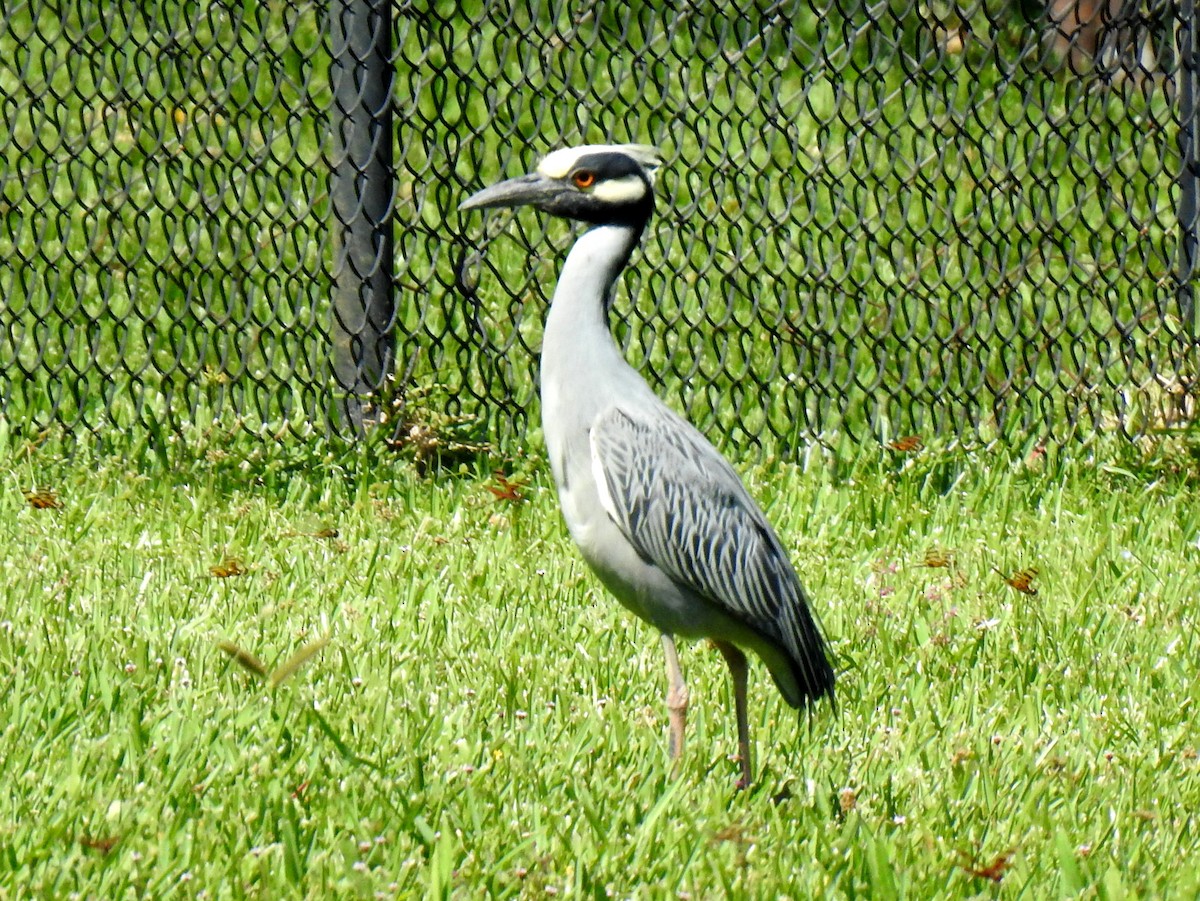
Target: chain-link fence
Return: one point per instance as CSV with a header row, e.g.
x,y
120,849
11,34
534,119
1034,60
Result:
x,y
884,219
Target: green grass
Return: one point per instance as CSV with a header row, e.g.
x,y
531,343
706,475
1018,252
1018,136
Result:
x,y
486,721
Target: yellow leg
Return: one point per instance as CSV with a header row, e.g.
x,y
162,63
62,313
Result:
x,y
677,698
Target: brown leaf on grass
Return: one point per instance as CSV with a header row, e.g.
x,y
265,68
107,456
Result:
x,y
506,489
907,445
228,568
320,533
103,845
994,870
847,800
734,832
938,557
1021,580
43,499
246,659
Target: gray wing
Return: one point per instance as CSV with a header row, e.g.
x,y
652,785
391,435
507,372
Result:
x,y
684,509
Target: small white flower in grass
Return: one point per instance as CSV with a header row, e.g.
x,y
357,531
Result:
x,y
131,668
357,682
185,876
899,819
364,847
360,866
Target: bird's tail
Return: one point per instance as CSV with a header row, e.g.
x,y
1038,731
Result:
x,y
809,666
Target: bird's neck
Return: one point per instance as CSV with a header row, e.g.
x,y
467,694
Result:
x,y
579,310
582,370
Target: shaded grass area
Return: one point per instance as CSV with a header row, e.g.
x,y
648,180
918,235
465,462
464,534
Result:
x,y
485,720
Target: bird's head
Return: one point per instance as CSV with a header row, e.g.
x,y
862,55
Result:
x,y
600,184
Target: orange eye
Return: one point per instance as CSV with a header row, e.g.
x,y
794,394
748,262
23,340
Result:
x,y
584,179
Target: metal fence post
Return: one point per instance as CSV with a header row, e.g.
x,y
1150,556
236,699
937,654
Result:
x,y
1189,172
362,192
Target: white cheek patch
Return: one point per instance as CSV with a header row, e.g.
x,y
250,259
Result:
x,y
627,189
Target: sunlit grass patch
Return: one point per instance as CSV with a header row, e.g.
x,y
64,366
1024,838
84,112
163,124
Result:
x,y
458,707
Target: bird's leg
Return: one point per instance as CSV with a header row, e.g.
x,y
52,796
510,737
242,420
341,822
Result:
x,y
738,671
677,698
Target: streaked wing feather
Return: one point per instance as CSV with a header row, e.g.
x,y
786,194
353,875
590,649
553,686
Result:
x,y
683,508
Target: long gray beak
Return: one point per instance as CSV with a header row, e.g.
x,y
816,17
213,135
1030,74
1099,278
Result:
x,y
532,189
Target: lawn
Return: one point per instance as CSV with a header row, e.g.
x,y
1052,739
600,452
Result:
x,y
483,720
284,668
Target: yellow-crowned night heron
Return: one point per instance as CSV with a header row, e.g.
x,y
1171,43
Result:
x,y
657,513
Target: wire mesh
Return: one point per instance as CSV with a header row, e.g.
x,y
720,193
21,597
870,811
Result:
x,y
888,219
164,185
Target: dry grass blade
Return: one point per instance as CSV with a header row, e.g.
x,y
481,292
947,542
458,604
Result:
x,y
246,659
289,667
506,489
